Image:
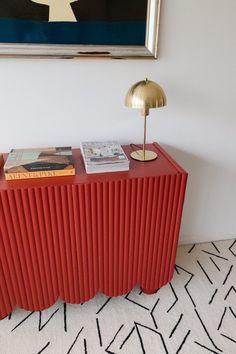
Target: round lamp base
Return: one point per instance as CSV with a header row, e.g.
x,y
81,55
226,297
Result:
x,y
139,156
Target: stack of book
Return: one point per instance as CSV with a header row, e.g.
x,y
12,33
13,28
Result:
x,y
38,163
104,157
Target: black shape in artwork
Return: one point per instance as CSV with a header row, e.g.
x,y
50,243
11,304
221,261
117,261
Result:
x,y
23,10
84,10
110,10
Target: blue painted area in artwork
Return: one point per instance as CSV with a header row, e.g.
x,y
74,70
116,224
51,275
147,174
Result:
x,y
90,32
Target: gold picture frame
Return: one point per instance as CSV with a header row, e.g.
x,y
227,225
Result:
x,y
146,50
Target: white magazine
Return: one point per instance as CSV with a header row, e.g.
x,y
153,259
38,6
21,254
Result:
x,y
105,156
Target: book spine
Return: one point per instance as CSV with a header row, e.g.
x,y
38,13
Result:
x,y
1,160
39,174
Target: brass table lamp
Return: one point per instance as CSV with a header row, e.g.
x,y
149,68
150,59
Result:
x,y
144,95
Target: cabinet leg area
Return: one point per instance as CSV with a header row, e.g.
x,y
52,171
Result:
x,y
148,291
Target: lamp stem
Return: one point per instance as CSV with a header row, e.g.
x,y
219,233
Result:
x,y
144,139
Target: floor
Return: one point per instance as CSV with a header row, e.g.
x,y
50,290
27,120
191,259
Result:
x,y
195,313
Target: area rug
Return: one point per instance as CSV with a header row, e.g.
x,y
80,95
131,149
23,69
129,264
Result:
x,y
194,313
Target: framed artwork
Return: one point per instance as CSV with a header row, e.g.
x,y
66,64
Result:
x,y
79,28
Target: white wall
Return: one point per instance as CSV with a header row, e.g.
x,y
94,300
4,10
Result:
x,y
59,102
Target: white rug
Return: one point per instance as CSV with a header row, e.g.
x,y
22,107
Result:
x,y
195,313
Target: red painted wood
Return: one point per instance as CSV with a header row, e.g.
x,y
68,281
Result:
x,y
70,237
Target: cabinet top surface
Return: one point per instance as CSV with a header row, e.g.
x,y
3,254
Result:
x,y
163,165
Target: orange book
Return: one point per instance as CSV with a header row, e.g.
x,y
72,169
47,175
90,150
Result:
x,y
39,174
39,163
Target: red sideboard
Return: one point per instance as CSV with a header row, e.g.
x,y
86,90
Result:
x,y
70,237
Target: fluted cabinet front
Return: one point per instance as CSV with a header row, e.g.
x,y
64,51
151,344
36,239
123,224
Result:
x,y
71,241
